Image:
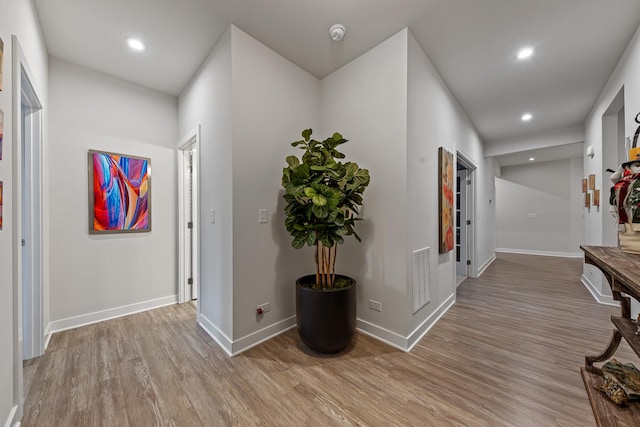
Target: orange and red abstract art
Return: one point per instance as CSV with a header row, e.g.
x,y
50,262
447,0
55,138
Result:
x,y
445,200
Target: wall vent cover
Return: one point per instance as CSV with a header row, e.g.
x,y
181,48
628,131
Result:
x,y
421,282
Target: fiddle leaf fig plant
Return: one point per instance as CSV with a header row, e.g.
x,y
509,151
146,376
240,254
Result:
x,y
323,196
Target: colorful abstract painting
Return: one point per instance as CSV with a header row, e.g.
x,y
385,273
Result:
x,y
445,200
119,193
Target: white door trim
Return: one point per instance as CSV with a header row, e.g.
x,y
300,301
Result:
x,y
189,143
24,89
471,212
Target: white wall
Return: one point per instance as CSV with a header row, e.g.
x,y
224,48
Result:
x,y
92,274
436,120
552,191
273,101
366,101
627,76
251,103
16,17
207,101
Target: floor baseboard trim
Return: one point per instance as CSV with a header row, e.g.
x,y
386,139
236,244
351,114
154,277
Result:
x,y
429,322
47,336
262,335
600,299
381,334
486,265
112,313
541,253
11,421
218,336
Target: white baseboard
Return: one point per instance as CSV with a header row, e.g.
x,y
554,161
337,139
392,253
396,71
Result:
x,y
218,336
233,348
601,299
415,336
258,337
486,265
541,253
47,336
112,313
11,421
398,341
381,334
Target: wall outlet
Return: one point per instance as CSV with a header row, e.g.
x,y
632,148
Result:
x,y
266,307
212,216
532,215
375,305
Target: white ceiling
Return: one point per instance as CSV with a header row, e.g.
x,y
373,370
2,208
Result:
x,y
547,154
472,43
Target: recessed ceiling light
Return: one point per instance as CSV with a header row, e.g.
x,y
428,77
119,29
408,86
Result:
x,y
531,159
526,117
135,44
525,52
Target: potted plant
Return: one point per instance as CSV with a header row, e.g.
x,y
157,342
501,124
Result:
x,y
322,198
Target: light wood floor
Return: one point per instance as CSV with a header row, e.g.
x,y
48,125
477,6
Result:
x,y
506,354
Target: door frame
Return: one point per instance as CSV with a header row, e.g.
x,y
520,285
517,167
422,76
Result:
x,y
470,211
29,303
189,143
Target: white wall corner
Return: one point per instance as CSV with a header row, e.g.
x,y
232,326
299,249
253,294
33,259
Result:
x,y
11,419
262,335
215,333
112,313
486,265
601,299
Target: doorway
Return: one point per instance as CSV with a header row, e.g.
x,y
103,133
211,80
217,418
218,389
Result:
x,y
188,224
465,253
27,220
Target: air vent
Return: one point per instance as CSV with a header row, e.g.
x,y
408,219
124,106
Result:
x,y
421,283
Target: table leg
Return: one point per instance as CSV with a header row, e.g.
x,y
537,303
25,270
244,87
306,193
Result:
x,y
606,354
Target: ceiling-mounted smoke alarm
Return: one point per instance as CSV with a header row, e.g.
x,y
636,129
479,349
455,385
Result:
x,y
337,32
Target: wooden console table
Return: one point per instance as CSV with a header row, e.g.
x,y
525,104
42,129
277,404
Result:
x,y
622,271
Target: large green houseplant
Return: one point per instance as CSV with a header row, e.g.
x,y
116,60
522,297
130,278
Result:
x,y
322,196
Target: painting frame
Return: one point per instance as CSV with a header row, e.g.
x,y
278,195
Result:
x,y
592,181
108,212
1,196
584,185
445,201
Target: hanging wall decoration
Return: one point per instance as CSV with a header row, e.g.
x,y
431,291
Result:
x,y
119,193
592,181
445,200
1,185
584,185
1,130
1,62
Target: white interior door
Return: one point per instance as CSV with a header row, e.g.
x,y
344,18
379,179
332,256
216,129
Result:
x,y
188,179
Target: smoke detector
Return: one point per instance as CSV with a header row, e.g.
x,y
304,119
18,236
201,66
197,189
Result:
x,y
337,32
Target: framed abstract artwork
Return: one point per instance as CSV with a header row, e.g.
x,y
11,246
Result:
x,y
119,193
1,130
445,200
1,185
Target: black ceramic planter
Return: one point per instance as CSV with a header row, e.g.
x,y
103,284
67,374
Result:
x,y
326,319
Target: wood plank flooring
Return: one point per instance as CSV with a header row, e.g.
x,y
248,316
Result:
x,y
507,353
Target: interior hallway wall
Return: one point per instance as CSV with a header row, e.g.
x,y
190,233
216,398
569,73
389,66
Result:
x,y
94,277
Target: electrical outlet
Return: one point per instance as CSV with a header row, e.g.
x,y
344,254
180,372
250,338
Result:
x,y
375,305
262,216
266,307
212,216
